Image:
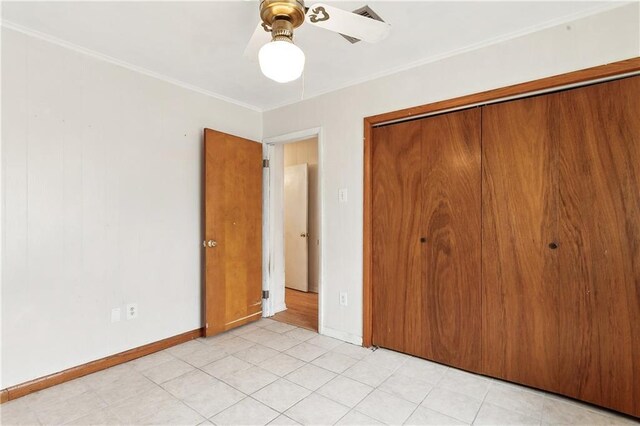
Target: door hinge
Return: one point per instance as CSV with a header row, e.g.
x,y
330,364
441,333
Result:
x,y
265,294
265,163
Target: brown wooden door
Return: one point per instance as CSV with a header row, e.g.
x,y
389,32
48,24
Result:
x,y
599,242
426,238
450,224
398,295
561,258
233,220
522,306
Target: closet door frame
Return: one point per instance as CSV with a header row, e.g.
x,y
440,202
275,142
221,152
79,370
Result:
x,y
611,71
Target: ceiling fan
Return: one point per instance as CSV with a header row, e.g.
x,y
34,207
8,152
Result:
x,y
272,41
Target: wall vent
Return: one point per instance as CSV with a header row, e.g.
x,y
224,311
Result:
x,y
367,12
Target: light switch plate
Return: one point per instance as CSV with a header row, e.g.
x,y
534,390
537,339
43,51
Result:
x,y
115,314
342,195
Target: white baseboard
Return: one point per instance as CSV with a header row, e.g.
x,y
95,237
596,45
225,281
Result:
x,y
341,335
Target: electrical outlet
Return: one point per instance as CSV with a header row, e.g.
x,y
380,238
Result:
x,y
132,311
342,195
115,314
343,299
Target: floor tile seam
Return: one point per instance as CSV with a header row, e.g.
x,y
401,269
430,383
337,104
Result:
x,y
348,378
184,404
496,383
254,399
321,396
200,369
390,394
480,407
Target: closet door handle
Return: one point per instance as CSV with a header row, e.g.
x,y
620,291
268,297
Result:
x,y
553,245
423,240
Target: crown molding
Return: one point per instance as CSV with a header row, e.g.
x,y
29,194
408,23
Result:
x,y
431,59
475,46
106,58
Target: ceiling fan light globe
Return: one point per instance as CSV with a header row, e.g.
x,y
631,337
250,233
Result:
x,y
281,61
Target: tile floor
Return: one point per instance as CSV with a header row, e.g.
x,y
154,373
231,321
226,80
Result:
x,y
274,373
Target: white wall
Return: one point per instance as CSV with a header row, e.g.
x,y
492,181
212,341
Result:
x,y
596,40
101,184
101,172
306,152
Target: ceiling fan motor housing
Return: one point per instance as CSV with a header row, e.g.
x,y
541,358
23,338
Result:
x,y
282,15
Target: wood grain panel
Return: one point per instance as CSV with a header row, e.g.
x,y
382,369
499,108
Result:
x,y
398,295
578,338
233,218
549,83
302,309
519,272
451,207
599,242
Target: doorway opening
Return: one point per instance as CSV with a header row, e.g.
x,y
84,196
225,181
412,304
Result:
x,y
293,227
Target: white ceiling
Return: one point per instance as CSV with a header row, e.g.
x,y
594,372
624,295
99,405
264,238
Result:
x,y
201,43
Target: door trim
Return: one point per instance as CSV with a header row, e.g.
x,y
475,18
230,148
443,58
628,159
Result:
x,y
582,77
269,307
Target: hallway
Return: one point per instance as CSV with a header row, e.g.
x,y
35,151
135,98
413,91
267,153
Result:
x,y
302,309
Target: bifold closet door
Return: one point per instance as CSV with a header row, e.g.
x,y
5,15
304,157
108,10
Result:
x,y
599,239
561,243
523,305
451,207
426,238
398,295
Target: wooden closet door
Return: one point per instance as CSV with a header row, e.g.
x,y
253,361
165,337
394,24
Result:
x,y
599,241
521,299
398,296
451,276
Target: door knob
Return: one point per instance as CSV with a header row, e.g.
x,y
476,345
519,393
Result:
x,y
553,245
303,235
210,243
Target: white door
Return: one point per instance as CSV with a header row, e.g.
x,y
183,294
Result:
x,y
296,205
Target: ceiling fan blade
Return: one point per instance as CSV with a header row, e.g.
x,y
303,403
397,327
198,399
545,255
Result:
x,y
259,38
347,23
